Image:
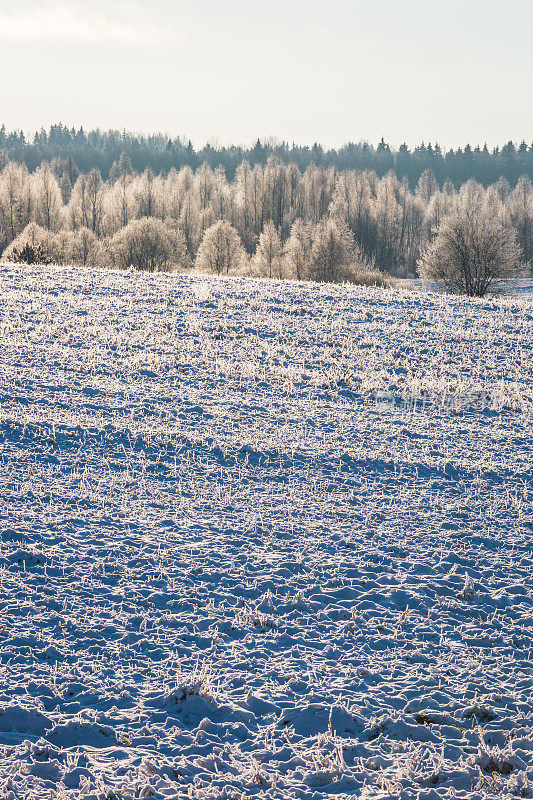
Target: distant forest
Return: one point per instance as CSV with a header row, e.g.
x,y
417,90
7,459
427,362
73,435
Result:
x,y
270,219
100,149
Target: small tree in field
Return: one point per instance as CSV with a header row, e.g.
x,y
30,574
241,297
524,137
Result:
x,y
221,250
472,253
297,251
332,252
85,249
148,244
268,257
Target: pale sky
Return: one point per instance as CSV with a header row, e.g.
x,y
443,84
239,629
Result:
x,y
450,71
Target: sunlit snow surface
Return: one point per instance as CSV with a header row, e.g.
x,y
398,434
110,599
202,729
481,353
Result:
x,y
228,570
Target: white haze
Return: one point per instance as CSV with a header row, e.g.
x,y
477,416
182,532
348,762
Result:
x,y
414,71
57,23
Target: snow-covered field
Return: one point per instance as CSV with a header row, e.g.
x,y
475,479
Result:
x,y
263,539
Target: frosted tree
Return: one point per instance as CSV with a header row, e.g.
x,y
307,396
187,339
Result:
x,y
410,227
343,203
119,204
66,188
318,187
57,167
472,252
34,245
47,199
268,258
148,195
205,218
449,189
14,193
85,248
222,204
148,244
205,184
244,205
176,190
189,223
427,185
78,207
492,203
388,216
353,206
502,188
120,168
520,205
221,250
470,195
434,212
294,194
275,188
297,251
95,201
61,246
332,252
71,169
258,199
202,202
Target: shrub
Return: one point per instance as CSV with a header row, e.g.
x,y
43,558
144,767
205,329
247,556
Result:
x,y
148,244
221,250
33,246
362,275
30,254
85,248
472,252
268,258
332,252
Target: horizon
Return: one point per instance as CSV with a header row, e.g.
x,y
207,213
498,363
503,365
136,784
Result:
x,y
269,141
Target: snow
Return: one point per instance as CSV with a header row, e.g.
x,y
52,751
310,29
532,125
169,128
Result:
x,y
263,539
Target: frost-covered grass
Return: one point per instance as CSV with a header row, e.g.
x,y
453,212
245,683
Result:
x,y
226,571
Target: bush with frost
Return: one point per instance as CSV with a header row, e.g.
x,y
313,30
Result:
x,y
221,250
148,244
473,251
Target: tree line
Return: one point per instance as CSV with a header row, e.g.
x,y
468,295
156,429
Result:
x,y
97,149
271,219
